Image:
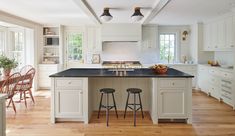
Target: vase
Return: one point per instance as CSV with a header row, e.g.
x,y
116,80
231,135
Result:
x,y
6,72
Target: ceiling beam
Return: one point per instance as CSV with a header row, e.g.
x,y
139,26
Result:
x,y
88,10
157,8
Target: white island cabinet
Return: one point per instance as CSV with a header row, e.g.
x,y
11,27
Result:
x,y
75,93
2,115
69,99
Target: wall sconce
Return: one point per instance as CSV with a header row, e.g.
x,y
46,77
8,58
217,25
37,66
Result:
x,y
184,35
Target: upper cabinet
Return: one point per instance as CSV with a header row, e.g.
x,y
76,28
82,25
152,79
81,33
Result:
x,y
219,34
121,32
149,36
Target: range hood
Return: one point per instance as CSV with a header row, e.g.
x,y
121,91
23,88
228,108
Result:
x,y
121,32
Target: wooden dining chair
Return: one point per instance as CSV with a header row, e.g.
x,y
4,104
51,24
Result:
x,y
25,69
9,87
25,85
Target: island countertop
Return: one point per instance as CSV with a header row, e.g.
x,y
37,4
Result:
x,y
104,72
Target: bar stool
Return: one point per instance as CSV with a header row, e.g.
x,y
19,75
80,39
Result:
x,y
134,91
107,91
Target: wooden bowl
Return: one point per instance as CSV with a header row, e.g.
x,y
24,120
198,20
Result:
x,y
161,70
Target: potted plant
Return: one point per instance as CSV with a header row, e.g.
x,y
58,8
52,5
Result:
x,y
7,64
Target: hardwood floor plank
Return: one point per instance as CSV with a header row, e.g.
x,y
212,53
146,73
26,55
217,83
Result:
x,y
210,117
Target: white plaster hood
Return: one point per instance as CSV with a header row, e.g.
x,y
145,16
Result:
x,y
121,32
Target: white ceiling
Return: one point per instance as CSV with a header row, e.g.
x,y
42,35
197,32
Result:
x,y
184,12
64,12
123,9
67,12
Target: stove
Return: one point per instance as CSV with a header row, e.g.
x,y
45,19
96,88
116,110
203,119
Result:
x,y
121,64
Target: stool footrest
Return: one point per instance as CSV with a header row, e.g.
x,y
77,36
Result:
x,y
133,108
109,107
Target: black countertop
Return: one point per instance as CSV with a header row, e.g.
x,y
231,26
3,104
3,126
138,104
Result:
x,y
101,72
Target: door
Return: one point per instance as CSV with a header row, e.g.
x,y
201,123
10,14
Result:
x,y
74,49
172,103
69,103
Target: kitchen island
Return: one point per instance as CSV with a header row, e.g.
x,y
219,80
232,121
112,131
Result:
x,y
75,92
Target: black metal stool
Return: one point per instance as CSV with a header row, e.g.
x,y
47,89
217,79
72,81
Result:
x,y
107,91
134,91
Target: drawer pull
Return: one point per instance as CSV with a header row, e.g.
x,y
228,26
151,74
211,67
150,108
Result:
x,y
69,82
173,83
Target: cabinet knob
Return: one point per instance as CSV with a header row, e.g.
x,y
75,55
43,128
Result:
x,y
69,82
173,83
232,46
81,92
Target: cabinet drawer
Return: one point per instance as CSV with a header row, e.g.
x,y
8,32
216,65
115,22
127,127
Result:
x,y
214,72
172,83
226,75
69,83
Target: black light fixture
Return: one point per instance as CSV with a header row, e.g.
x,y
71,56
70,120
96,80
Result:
x,y
106,16
137,16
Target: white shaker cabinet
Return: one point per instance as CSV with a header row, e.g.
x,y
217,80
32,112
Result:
x,y
219,34
44,71
69,99
2,115
230,31
189,69
172,98
217,82
203,77
69,103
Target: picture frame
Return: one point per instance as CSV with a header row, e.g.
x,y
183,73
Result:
x,y
95,58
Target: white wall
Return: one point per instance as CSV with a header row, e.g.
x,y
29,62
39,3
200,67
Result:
x,y
225,58
183,46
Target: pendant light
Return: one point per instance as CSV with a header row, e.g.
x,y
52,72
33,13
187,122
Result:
x,y
106,16
137,16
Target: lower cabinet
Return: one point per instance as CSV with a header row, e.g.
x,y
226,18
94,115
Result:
x,y
44,71
174,98
216,82
171,103
189,69
69,103
2,114
69,99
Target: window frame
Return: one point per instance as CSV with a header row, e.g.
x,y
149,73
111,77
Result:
x,y
176,49
11,32
67,62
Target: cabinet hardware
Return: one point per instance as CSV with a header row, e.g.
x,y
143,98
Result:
x,y
69,82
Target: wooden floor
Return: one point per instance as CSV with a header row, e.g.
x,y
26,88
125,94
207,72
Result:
x,y
209,118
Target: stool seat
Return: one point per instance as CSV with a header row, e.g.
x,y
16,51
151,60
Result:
x,y
134,90
107,90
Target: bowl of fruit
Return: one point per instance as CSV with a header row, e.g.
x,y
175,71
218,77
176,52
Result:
x,y
159,68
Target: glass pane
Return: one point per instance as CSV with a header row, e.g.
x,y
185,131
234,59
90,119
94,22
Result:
x,y
74,47
167,47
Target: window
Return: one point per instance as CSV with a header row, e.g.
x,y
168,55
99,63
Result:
x,y
167,47
2,41
16,50
74,43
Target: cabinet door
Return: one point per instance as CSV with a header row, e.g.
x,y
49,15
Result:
x,y
171,103
230,32
207,38
221,34
214,35
69,103
203,78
